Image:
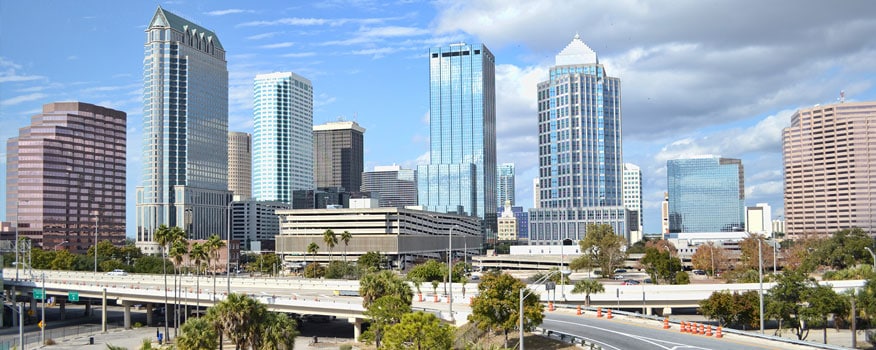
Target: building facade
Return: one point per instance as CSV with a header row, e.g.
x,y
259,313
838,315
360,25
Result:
x,y
338,155
255,224
706,194
65,177
461,174
633,200
507,224
829,165
391,185
522,217
282,136
579,148
758,219
664,214
240,165
185,133
505,184
536,192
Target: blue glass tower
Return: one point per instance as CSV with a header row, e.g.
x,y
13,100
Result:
x,y
185,133
579,149
706,194
461,174
505,184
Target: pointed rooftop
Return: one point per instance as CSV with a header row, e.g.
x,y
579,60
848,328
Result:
x,y
577,52
164,19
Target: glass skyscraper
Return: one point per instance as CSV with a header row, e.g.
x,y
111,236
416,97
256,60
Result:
x,y
505,184
461,174
579,148
706,194
282,136
185,138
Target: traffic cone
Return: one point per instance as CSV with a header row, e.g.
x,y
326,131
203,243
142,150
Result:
x,y
701,331
470,301
709,330
718,334
609,314
599,312
551,306
579,310
681,327
420,296
436,298
666,323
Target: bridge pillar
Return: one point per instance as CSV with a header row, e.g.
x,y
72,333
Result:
x,y
149,321
127,313
357,327
649,311
103,312
62,308
33,303
88,308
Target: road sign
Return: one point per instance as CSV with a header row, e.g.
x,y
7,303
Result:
x,y
73,296
39,294
41,324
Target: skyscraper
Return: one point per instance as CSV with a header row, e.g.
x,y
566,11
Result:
x,y
706,194
633,200
282,136
829,169
65,173
338,155
505,184
461,174
392,185
240,165
664,215
579,149
185,133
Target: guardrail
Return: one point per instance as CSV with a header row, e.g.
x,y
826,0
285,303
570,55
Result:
x,y
584,342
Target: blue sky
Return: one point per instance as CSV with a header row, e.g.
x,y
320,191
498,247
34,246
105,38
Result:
x,y
720,77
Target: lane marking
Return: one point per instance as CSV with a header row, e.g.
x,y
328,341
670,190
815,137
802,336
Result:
x,y
652,341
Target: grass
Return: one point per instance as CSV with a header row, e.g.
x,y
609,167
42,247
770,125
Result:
x,y
469,337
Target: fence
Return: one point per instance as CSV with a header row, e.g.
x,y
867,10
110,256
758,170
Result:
x,y
32,337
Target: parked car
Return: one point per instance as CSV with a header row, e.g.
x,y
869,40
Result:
x,y
117,272
699,272
630,282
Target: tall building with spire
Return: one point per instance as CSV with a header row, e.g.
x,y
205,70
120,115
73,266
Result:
x,y
185,133
580,153
282,136
461,174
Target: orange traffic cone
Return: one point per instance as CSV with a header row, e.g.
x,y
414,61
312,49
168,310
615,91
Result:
x,y
579,310
599,312
436,298
709,330
681,327
666,323
719,334
551,306
609,314
701,331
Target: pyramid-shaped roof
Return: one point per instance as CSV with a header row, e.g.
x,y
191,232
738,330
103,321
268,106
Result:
x,y
164,18
577,52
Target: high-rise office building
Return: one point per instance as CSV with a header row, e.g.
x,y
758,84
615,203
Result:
x,y
391,185
536,192
282,136
255,224
829,169
579,149
664,215
507,224
338,155
706,194
633,200
522,218
461,174
505,184
185,131
65,173
240,165
758,219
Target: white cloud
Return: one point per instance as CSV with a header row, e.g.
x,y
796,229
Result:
x,y
277,45
22,98
298,54
263,36
228,12
299,21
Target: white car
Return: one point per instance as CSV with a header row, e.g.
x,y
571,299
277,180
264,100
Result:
x,y
117,272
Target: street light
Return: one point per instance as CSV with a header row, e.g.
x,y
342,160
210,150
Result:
x,y
760,277
96,224
873,254
520,310
43,318
450,269
228,247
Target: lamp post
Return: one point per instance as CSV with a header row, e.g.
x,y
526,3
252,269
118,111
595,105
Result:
x,y
228,247
43,318
760,277
450,269
873,254
96,224
520,310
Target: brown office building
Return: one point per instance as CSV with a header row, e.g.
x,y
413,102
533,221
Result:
x,y
830,169
338,159
65,177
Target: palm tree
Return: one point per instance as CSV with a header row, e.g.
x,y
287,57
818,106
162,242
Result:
x,y
587,287
313,248
330,240
197,334
165,236
346,236
178,251
213,245
198,255
241,319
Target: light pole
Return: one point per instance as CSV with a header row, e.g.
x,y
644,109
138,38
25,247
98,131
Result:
x,y
760,277
96,224
450,269
873,254
43,318
520,310
228,247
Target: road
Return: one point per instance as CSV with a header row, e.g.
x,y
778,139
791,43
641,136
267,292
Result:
x,y
622,333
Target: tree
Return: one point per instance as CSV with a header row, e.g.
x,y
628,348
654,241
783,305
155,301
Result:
x,y
428,271
346,236
371,262
213,245
312,249
336,270
178,251
241,319
377,284
165,237
748,255
496,306
314,271
740,309
330,240
419,330
384,312
797,301
198,255
278,332
844,248
660,265
588,286
603,247
710,258
197,334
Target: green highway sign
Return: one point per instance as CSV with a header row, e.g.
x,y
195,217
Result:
x,y
39,294
73,296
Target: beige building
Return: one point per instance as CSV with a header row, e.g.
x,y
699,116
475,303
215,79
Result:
x,y
664,213
830,161
240,165
507,224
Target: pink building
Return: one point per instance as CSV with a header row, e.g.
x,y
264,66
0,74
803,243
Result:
x,y
830,169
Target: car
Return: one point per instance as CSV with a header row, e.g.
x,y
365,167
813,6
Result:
x,y
699,272
630,282
618,277
117,272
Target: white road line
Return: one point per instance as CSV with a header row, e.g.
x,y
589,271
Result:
x,y
652,341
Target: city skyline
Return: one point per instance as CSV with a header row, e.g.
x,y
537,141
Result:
x,y
686,91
